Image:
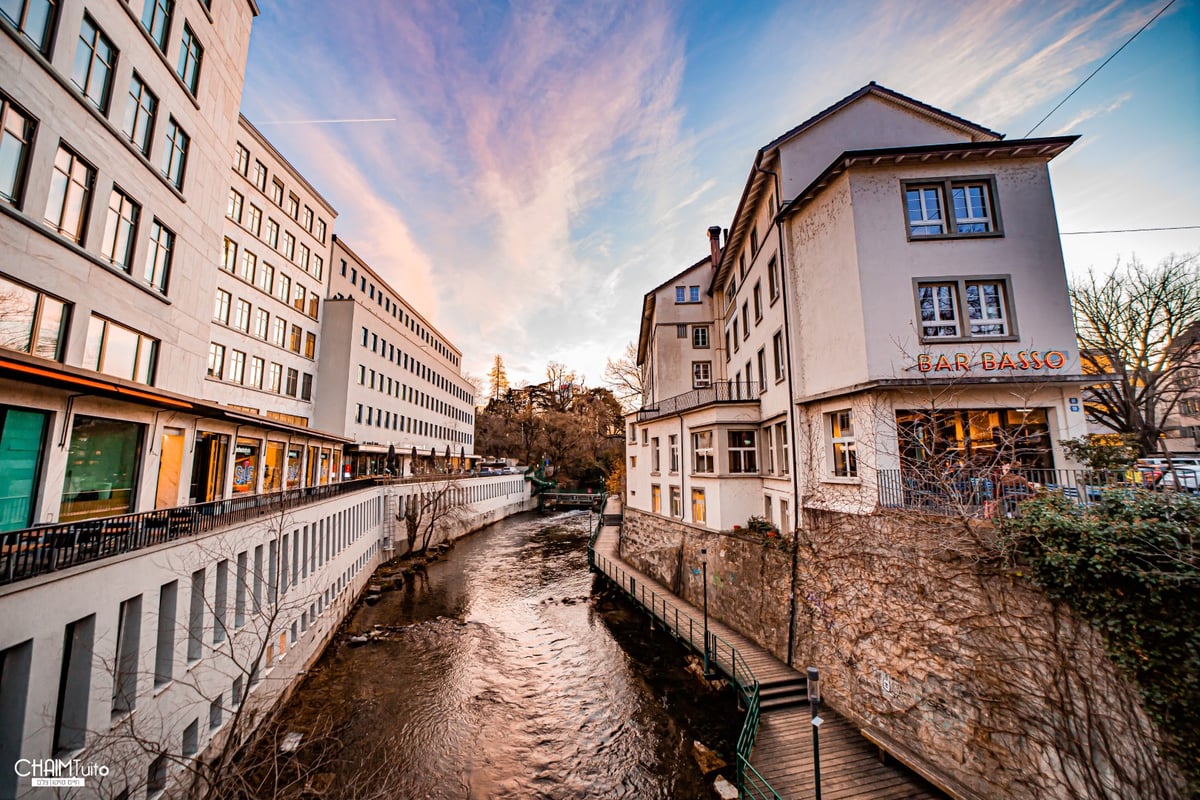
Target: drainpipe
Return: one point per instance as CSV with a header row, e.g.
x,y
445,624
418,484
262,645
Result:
x,y
791,414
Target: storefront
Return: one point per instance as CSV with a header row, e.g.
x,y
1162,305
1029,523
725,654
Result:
x,y
975,438
103,463
209,465
274,467
245,465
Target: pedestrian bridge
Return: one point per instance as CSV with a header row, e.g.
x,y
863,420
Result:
x,y
570,500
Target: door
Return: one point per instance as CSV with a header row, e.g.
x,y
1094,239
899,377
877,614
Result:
x,y
170,467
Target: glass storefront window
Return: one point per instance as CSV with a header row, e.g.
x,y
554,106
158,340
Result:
x,y
293,467
102,468
245,465
975,438
209,465
273,477
22,436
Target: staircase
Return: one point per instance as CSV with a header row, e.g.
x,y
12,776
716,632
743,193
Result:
x,y
785,693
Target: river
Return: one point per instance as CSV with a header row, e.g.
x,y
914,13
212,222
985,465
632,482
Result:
x,y
504,673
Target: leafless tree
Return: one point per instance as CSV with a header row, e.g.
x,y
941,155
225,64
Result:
x,y
427,509
625,379
1141,327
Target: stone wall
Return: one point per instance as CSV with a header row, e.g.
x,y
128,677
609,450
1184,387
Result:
x,y
920,637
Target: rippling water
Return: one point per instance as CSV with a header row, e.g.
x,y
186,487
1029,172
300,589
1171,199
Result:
x,y
491,686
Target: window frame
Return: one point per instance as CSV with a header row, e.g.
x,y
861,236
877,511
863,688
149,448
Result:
x,y
700,337
29,125
50,21
119,242
945,186
747,454
699,382
89,73
958,285
178,144
78,232
191,60
139,111
847,442
704,458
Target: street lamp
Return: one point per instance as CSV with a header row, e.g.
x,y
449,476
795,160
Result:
x,y
814,700
704,569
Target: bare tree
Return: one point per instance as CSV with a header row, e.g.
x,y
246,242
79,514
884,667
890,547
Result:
x,y
625,379
427,509
1139,326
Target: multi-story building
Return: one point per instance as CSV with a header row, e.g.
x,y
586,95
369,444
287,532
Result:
x,y
890,301
389,379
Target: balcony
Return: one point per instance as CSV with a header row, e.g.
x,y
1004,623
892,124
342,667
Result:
x,y
719,392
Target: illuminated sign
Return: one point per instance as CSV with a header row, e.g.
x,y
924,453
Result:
x,y
992,362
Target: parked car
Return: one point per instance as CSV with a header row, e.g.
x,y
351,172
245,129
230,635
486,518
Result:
x,y
1185,478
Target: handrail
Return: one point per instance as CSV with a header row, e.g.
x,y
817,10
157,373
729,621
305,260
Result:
x,y
716,392
35,551
722,654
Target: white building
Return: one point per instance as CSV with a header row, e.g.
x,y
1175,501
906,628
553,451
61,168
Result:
x,y
389,378
890,301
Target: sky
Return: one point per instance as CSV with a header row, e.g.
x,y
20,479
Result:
x,y
523,173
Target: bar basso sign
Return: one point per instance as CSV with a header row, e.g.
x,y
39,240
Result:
x,y
992,362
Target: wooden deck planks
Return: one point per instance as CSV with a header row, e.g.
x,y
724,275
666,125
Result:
x,y
850,765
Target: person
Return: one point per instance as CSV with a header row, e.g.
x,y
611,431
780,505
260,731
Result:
x,y
1011,488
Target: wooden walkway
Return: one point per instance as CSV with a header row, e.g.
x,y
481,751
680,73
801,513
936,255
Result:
x,y
850,765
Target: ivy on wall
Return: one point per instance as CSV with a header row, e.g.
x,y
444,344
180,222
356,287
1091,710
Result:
x,y
1129,564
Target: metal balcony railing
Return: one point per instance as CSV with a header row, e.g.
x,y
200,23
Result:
x,y
992,492
717,392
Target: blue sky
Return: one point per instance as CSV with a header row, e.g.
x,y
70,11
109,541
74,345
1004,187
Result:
x,y
547,164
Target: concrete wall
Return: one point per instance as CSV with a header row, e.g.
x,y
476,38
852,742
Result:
x,y
919,638
356,530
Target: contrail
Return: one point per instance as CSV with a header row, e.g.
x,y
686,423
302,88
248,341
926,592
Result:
x,y
326,121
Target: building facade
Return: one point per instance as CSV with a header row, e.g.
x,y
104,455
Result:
x,y
889,308
389,379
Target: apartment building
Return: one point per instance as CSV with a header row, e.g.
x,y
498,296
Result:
x,y
891,301
389,379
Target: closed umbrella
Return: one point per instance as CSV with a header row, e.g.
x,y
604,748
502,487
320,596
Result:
x,y
391,459
413,465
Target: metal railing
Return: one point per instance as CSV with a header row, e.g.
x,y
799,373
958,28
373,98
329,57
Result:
x,y
994,492
36,551
717,392
719,653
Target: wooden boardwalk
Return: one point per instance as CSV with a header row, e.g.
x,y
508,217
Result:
x,y
850,765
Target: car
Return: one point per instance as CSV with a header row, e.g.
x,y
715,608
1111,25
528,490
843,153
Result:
x,y
1184,478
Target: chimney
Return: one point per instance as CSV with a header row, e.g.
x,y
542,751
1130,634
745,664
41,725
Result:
x,y
714,244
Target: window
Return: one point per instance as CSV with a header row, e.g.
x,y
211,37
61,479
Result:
x,y
265,279
298,297
70,718
237,366
289,246
320,230
743,452
191,54
120,229
254,220
261,323
970,212
700,336
737,340
841,438
14,150
753,242
33,18
118,351
701,374
241,160
156,776
656,498
655,460
698,509
306,386
781,437
255,378
768,451
940,307
308,219
757,294
70,195
158,256
175,155
260,175
95,61
216,360
275,377
293,378
746,319
234,211
773,279
229,256
762,372
30,321
780,356
304,257
693,294
645,437
673,449
687,294
296,338
681,331
241,318
676,502
293,206
125,668
139,115
221,307
277,192
156,18
283,288
310,345
272,233
249,265
702,452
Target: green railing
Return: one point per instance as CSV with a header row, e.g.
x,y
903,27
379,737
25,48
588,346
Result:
x,y
718,652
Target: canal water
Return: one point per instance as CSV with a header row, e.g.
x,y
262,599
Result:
x,y
505,673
